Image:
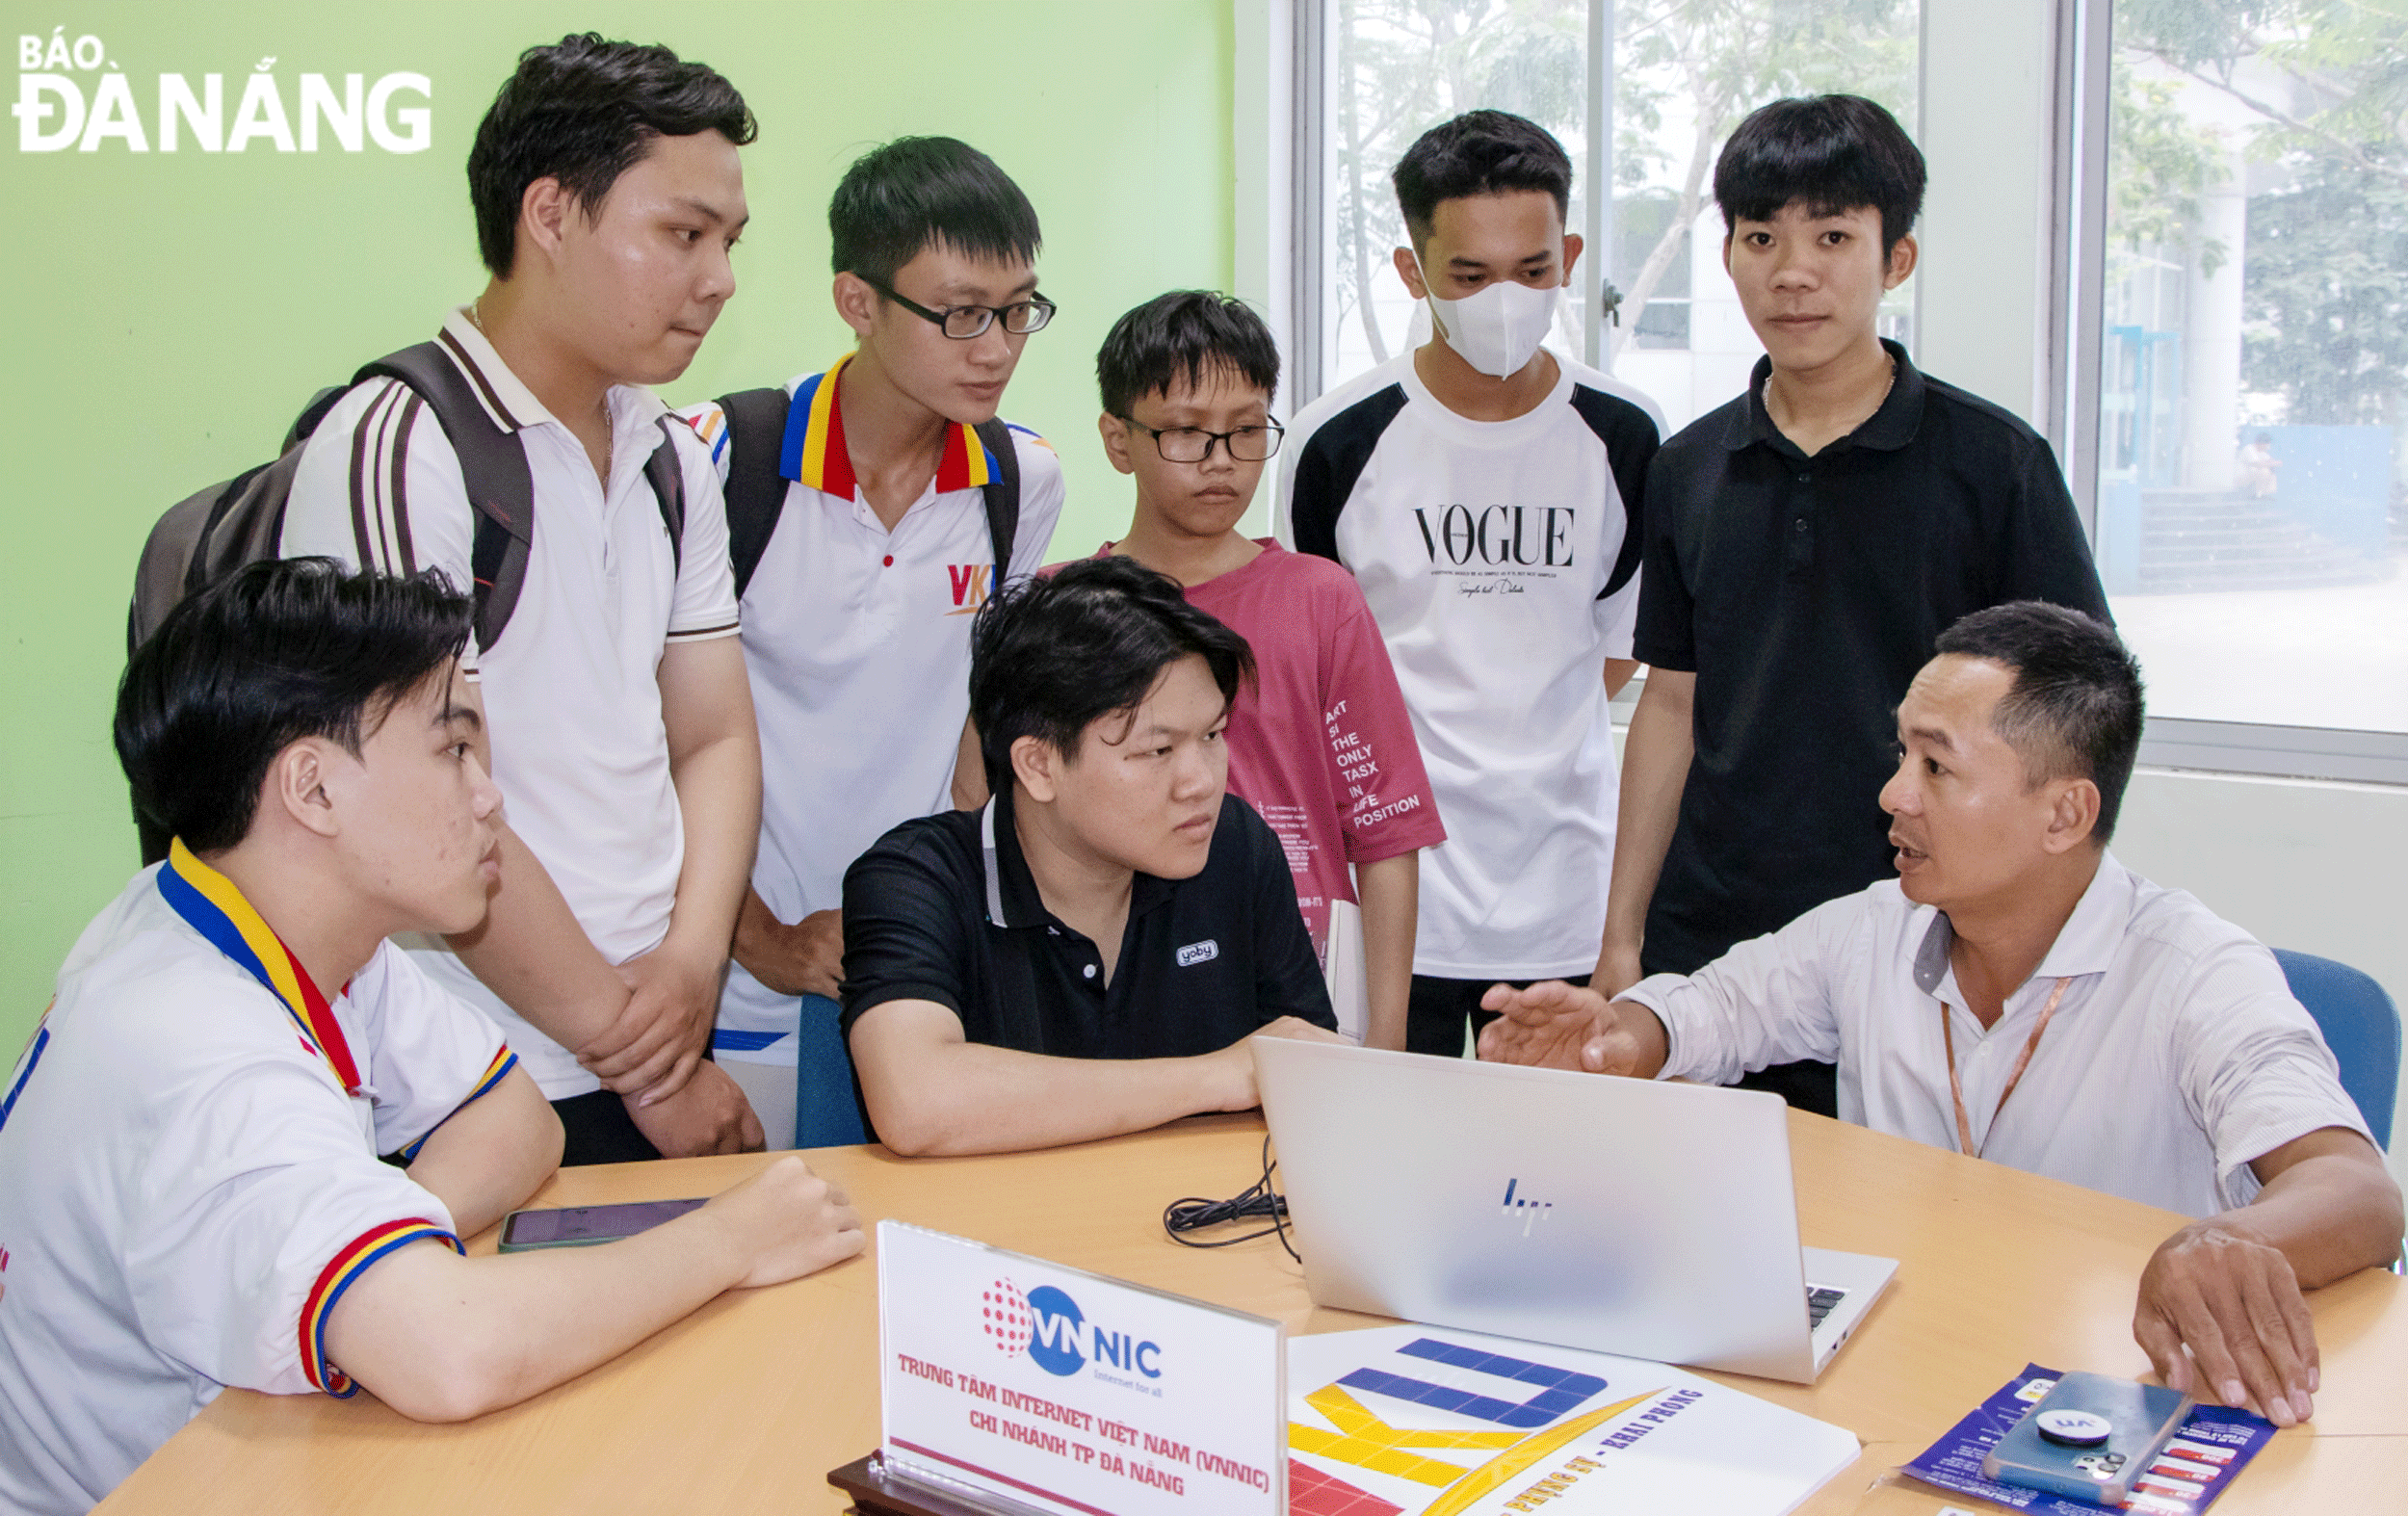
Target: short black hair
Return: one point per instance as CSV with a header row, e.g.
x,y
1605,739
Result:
x,y
904,196
1832,153
584,111
1178,336
1052,654
2076,707
1480,152
275,652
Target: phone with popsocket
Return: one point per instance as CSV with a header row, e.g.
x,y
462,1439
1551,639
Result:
x,y
2089,1437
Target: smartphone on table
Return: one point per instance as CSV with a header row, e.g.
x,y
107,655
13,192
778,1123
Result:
x,y
2089,1438
584,1226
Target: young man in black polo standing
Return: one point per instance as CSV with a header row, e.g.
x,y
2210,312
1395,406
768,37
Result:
x,y
1805,544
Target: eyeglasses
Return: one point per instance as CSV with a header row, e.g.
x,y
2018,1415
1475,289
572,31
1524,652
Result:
x,y
964,322
1194,444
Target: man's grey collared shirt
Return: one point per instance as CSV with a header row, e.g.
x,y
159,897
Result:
x,y
2177,1056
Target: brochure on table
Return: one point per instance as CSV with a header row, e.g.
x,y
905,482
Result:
x,y
1030,1386
1419,1421
2197,1466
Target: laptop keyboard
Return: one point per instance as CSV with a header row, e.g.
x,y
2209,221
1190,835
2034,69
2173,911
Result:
x,y
1820,1300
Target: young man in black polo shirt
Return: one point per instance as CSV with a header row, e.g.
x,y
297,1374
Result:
x,y
1805,544
1087,954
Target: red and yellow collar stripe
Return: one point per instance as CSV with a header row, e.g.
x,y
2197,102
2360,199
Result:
x,y
338,1276
211,906
502,1063
813,451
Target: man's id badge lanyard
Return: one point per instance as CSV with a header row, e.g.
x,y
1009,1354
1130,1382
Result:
x,y
1956,1087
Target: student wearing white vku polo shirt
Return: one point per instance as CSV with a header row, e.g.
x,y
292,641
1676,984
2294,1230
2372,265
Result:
x,y
1486,495
607,194
879,553
2018,995
190,1190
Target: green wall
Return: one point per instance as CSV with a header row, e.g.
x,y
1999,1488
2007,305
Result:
x,y
168,312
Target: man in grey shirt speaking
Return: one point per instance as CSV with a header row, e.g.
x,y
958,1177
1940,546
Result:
x,y
2017,994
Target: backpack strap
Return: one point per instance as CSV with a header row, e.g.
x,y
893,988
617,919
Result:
x,y
667,478
1003,494
501,490
756,490
492,466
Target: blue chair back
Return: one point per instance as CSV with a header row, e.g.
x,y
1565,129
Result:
x,y
827,1114
2360,1025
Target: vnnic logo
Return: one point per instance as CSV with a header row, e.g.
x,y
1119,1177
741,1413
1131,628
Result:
x,y
1529,1212
56,110
1049,1326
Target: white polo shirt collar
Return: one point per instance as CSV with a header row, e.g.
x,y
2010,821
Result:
x,y
813,451
2085,945
506,397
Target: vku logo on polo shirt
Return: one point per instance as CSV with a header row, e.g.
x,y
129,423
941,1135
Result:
x,y
1499,537
972,584
54,112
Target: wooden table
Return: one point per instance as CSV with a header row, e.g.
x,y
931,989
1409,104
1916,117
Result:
x,y
745,1405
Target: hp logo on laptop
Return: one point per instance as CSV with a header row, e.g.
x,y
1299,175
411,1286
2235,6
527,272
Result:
x,y
1526,1210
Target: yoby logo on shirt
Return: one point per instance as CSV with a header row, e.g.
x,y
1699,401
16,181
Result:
x,y
972,584
70,92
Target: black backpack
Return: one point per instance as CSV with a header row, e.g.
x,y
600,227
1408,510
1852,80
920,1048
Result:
x,y
756,491
208,535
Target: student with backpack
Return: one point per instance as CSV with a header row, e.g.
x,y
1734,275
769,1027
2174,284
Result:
x,y
871,510
607,193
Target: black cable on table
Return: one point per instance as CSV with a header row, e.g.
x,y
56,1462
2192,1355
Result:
x,y
1258,1202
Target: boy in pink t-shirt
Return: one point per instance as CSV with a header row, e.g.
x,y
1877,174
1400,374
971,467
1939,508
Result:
x,y
1321,743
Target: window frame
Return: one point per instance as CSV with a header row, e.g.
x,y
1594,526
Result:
x,y
2073,385
2072,228
1313,156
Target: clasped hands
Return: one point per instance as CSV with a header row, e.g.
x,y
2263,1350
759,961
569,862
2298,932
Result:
x,y
653,1055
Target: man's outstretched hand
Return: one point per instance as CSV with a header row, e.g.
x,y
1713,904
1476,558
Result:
x,y
1555,1025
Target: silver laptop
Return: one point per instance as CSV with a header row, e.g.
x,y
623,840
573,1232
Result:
x,y
1654,1221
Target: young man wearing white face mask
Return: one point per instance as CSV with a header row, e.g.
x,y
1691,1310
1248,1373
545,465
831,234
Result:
x,y
1486,495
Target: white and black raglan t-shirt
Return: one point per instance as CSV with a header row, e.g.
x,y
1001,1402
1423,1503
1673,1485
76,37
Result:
x,y
1500,560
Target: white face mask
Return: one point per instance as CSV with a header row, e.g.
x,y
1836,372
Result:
x,y
1498,327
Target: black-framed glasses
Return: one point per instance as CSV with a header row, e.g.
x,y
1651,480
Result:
x,y
1194,444
961,323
